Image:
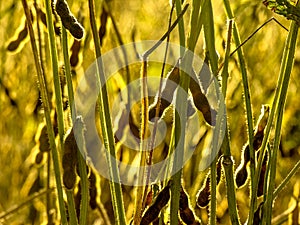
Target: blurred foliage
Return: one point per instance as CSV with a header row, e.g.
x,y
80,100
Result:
x,y
21,112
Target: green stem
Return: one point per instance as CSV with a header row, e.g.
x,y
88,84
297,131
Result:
x,y
178,130
247,103
142,186
71,207
180,26
227,158
287,65
83,181
56,80
267,216
181,102
208,25
65,49
106,127
81,161
46,106
230,185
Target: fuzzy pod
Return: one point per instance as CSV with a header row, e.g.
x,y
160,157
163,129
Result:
x,y
69,178
186,213
219,169
70,145
44,140
39,158
201,102
260,127
14,45
149,198
103,22
258,214
246,155
241,175
68,19
69,160
172,81
77,200
203,196
93,191
260,190
153,211
75,48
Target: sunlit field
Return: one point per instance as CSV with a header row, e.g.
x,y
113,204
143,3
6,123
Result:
x,y
244,163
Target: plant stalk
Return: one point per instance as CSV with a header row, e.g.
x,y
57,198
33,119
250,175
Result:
x,y
46,106
106,127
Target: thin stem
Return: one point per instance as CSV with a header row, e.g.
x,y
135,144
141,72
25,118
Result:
x,y
48,163
287,65
71,207
260,27
81,161
247,100
227,158
46,106
286,179
141,189
208,26
224,73
106,127
178,130
25,203
267,218
177,21
152,143
56,80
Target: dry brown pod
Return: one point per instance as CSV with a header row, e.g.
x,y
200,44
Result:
x,y
258,214
44,140
69,160
201,101
75,48
260,190
14,45
69,178
149,198
68,19
219,169
77,200
260,127
39,157
103,22
93,190
186,212
167,93
203,196
241,175
153,211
